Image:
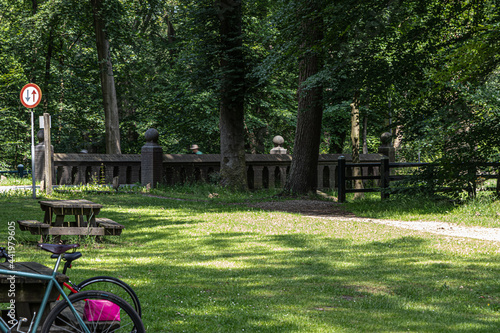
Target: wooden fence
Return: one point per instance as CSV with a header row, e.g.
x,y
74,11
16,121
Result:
x,y
384,174
21,171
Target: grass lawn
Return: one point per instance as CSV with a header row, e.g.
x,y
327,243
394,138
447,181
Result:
x,y
483,211
204,266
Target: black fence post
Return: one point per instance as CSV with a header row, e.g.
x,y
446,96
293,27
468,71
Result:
x,y
472,180
384,178
341,179
498,183
432,179
20,170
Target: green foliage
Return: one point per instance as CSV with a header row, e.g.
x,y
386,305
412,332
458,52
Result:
x,y
425,70
462,130
204,192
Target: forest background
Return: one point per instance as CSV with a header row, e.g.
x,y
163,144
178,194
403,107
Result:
x,y
230,75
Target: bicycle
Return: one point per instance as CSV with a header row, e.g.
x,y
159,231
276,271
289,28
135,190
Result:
x,y
87,311
104,283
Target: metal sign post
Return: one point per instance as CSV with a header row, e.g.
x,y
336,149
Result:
x,y
33,181
48,153
30,96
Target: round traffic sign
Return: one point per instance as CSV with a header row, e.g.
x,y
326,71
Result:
x,y
31,95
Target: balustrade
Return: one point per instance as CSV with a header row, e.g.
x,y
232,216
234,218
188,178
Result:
x,y
152,166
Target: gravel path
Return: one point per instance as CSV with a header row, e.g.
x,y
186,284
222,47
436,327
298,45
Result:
x,y
441,228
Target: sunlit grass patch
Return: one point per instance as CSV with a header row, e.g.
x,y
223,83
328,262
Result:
x,y
207,266
482,211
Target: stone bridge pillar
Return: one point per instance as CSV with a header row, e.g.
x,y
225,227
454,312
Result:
x,y
151,160
386,148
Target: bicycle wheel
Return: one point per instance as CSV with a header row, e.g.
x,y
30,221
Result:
x,y
114,286
100,311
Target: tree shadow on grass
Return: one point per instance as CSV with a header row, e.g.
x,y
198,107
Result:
x,y
374,287
246,280
193,276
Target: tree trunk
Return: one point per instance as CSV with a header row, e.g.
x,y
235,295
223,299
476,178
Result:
x,y
232,64
111,118
355,138
48,60
303,171
365,135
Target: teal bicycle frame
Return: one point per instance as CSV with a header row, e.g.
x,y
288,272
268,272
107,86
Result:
x,y
4,328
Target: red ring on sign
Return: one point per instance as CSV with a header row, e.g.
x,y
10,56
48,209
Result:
x,y
38,91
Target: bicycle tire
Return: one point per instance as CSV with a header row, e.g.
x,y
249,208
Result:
x,y
121,318
114,286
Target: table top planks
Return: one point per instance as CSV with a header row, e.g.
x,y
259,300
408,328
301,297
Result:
x,y
72,204
24,289
29,267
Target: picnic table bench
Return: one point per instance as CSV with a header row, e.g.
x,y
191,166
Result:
x,y
84,221
28,292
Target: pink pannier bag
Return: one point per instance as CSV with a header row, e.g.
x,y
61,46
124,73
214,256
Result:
x,y
101,310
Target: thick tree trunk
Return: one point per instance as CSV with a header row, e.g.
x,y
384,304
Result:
x,y
111,118
233,168
303,171
355,139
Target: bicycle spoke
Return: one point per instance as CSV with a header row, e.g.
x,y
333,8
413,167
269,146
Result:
x,y
100,311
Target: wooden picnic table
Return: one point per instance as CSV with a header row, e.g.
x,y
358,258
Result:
x,y
71,217
28,292
56,212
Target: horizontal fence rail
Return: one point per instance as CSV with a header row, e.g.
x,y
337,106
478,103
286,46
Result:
x,y
385,175
21,172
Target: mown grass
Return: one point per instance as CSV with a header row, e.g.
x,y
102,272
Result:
x,y
483,211
14,180
205,266
215,193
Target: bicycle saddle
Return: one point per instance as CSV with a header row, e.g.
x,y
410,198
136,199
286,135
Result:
x,y
57,248
68,256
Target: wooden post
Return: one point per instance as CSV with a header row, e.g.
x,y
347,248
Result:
x,y
384,177
432,178
341,179
498,183
472,175
48,153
